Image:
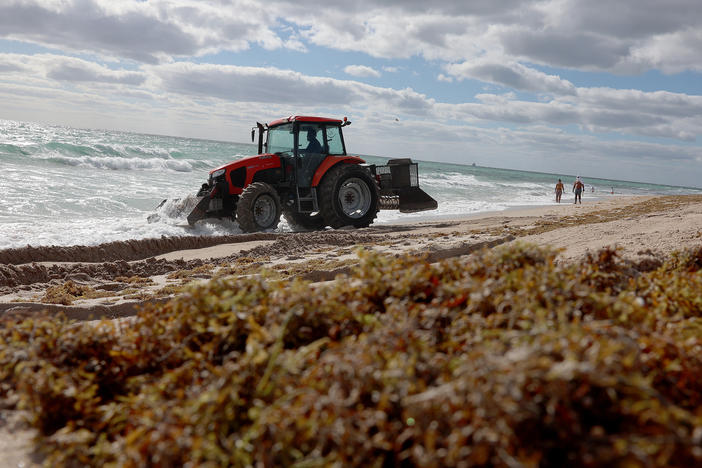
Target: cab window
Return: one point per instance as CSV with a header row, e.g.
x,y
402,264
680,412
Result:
x,y
280,139
334,142
311,139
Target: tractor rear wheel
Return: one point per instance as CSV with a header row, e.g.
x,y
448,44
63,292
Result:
x,y
305,221
258,208
348,197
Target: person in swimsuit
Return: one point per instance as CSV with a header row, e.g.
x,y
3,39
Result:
x,y
559,190
578,188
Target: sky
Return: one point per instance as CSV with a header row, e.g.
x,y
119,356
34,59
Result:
x,y
600,88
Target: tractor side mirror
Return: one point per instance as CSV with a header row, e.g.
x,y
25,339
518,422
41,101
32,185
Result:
x,y
253,134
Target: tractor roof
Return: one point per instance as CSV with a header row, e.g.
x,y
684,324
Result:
x,y
302,118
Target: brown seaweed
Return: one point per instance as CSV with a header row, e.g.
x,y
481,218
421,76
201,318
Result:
x,y
502,358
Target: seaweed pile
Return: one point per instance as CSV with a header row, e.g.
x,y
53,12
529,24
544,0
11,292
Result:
x,y
502,358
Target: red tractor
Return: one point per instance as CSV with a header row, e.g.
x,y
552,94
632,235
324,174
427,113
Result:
x,y
302,171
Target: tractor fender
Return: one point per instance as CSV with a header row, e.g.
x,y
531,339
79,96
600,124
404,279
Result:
x,y
331,161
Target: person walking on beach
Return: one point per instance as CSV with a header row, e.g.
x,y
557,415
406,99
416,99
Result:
x,y
559,190
578,188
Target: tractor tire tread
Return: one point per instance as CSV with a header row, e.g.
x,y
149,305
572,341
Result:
x,y
329,207
244,207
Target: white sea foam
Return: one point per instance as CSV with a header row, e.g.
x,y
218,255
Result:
x,y
454,179
121,163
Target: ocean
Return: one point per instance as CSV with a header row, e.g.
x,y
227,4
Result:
x,y
67,186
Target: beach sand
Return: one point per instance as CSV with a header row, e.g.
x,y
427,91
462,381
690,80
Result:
x,y
113,280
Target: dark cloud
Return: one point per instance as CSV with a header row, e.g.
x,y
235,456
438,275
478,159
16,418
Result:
x,y
80,71
484,8
634,19
10,67
84,26
571,50
511,75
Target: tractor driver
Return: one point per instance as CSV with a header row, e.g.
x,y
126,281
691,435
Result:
x,y
314,146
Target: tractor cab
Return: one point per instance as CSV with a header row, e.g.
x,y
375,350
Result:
x,y
305,142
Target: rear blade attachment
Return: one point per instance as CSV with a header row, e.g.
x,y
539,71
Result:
x,y
415,199
399,187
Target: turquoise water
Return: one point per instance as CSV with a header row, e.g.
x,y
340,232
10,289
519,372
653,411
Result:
x,y
67,186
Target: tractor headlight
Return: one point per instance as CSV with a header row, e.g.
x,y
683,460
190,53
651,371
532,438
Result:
x,y
216,173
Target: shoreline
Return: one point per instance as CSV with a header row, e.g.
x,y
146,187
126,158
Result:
x,y
408,218
142,248
536,210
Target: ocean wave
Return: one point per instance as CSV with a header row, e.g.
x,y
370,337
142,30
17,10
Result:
x,y
124,163
102,156
453,179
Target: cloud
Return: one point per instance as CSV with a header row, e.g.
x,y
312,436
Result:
x,y
672,53
67,69
252,84
272,85
657,114
624,37
511,75
361,71
143,31
76,70
565,49
134,32
597,110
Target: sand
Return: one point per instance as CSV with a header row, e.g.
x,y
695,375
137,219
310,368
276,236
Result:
x,y
113,280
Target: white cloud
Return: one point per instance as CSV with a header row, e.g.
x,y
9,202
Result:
x,y
361,71
67,69
511,75
672,53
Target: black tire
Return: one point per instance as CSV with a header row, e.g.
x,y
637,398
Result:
x,y
258,208
304,221
348,197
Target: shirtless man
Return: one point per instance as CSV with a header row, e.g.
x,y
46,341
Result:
x,y
578,188
559,190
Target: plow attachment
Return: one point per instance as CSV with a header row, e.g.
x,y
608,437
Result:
x,y
399,187
200,210
177,208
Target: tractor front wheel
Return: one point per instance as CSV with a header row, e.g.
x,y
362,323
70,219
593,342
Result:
x,y
348,197
258,208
